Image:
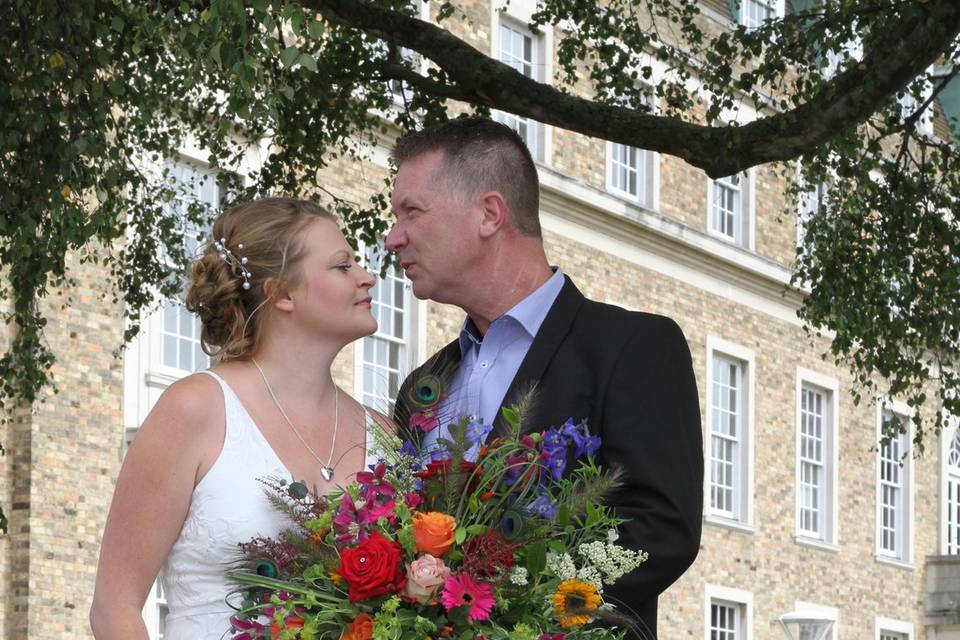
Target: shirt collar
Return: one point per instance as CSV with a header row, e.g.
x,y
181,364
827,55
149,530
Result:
x,y
529,313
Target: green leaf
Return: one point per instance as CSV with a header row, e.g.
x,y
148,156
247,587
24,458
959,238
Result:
x,y
315,29
289,56
308,62
215,53
512,417
536,556
460,535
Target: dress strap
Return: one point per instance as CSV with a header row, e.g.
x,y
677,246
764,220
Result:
x,y
232,409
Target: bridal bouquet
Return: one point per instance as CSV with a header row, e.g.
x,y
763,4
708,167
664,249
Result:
x,y
468,540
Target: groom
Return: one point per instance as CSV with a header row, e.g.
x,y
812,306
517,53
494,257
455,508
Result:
x,y
467,233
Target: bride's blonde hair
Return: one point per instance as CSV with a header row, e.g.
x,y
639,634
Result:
x,y
250,244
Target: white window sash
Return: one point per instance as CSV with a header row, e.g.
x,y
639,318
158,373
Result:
x,y
893,495
813,462
726,437
727,206
520,49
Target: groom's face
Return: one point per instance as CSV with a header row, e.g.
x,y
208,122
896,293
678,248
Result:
x,y
434,230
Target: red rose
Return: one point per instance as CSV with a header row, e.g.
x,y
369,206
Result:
x,y
372,568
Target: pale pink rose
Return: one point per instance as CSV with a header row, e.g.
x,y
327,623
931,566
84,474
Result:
x,y
425,575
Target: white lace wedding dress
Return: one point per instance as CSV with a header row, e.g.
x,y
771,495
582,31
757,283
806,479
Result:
x,y
228,507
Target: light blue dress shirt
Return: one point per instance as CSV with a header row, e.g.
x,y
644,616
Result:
x,y
489,363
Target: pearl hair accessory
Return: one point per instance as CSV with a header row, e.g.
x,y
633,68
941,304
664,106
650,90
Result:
x,y
238,260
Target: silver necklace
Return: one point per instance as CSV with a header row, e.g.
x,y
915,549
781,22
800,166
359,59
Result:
x,y
325,469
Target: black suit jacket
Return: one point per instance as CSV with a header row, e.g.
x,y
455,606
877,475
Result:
x,y
631,376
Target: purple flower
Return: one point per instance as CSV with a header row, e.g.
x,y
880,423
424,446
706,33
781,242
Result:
x,y
553,440
373,483
556,463
583,442
543,507
477,432
409,449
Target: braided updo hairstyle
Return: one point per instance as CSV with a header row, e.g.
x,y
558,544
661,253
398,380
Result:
x,y
268,234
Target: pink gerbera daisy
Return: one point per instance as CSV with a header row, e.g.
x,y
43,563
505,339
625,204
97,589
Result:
x,y
463,591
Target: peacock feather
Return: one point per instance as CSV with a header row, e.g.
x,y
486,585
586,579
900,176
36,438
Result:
x,y
419,407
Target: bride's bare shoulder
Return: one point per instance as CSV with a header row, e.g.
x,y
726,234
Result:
x,y
383,421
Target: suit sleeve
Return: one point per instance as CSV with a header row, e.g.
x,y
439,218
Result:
x,y
651,431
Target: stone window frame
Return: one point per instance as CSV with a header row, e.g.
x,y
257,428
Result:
x,y
899,629
777,7
740,599
414,344
648,180
829,537
517,14
745,215
947,437
145,375
398,90
904,557
743,519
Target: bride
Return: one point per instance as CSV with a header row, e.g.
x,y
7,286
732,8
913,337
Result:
x,y
279,293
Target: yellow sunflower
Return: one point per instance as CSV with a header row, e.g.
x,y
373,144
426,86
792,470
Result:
x,y
573,602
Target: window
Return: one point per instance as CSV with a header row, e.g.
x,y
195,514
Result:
x,y
402,93
522,50
725,623
893,493
756,12
813,445
909,103
631,171
727,613
729,200
753,13
952,495
887,629
386,356
725,435
816,457
837,62
728,475
168,347
810,203
155,613
179,329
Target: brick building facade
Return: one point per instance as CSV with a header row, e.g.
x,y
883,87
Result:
x,y
802,512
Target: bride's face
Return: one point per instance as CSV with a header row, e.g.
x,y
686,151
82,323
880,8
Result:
x,y
332,296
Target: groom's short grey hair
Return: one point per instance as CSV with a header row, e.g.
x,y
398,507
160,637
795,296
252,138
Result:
x,y
481,155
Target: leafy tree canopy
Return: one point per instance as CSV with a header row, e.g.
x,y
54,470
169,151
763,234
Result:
x,y
94,92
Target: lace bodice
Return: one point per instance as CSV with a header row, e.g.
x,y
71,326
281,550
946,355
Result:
x,y
228,507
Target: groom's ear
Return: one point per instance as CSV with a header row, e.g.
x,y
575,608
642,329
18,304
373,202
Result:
x,y
494,213
278,295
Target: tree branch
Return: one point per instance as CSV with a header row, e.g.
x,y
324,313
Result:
x,y
904,52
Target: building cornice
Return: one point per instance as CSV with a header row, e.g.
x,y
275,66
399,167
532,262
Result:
x,y
723,268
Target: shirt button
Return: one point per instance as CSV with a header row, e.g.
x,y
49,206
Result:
x,y
483,365
473,418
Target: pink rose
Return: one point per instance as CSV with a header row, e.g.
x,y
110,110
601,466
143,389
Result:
x,y
424,576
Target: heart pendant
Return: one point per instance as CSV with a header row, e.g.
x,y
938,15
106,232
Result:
x,y
326,472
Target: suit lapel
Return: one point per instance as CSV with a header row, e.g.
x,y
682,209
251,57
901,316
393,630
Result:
x,y
556,325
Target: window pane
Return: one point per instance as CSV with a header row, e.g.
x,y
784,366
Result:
x,y
891,496
384,353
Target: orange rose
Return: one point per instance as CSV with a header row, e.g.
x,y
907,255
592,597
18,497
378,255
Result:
x,y
360,629
433,532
